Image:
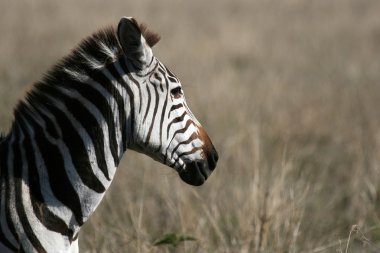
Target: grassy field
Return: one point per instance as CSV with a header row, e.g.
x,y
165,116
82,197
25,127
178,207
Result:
x,y
289,92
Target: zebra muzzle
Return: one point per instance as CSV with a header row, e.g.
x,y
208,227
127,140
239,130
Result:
x,y
196,173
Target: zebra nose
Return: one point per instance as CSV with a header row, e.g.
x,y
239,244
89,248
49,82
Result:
x,y
195,173
203,169
212,159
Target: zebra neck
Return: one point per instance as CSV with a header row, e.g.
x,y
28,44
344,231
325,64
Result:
x,y
71,135
66,141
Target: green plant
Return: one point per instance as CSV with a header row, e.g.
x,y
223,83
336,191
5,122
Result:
x,y
173,239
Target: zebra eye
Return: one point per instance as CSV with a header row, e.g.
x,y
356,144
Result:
x,y
176,92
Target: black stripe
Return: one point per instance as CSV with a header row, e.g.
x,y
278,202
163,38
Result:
x,y
134,81
77,149
102,105
5,181
192,137
148,105
21,212
59,181
154,115
174,107
102,80
175,120
195,149
5,176
181,131
5,242
89,123
172,77
163,108
150,63
147,67
93,129
42,212
157,76
120,80
49,127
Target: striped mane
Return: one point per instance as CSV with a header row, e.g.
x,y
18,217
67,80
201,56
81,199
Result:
x,y
96,52
93,53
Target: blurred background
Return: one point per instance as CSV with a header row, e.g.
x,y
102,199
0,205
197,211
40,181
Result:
x,y
289,92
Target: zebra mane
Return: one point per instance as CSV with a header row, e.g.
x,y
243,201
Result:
x,y
97,51
93,53
151,38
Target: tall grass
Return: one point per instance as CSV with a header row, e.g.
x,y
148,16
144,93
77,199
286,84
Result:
x,y
289,92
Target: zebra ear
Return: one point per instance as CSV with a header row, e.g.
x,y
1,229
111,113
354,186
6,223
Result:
x,y
133,42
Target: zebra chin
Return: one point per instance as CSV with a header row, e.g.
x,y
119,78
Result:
x,y
197,172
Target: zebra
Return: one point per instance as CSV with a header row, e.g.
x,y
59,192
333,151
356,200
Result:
x,y
70,131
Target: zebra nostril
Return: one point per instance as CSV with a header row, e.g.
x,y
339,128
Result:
x,y
215,156
195,173
213,159
203,168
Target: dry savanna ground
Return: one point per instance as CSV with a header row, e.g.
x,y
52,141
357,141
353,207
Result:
x,y
289,91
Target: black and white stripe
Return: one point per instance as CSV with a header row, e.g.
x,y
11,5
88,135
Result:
x,y
71,130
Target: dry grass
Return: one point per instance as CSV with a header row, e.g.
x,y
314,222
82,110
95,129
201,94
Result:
x,y
292,105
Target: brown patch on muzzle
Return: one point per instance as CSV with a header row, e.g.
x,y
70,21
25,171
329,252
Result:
x,y
208,149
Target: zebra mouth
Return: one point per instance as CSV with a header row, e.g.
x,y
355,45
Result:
x,y
196,173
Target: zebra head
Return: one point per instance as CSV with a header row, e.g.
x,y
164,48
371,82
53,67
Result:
x,y
163,128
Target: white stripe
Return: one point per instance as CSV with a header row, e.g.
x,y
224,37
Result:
x,y
12,201
54,241
76,74
111,53
92,62
85,138
115,110
121,90
3,222
144,108
52,203
86,195
111,166
179,125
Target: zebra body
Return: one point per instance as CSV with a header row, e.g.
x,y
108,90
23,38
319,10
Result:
x,y
70,132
